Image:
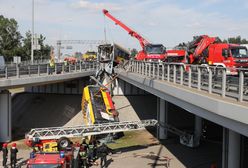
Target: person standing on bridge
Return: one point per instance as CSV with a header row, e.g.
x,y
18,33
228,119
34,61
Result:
x,y
5,154
52,65
51,61
13,155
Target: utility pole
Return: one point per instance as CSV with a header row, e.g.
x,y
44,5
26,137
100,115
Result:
x,y
32,37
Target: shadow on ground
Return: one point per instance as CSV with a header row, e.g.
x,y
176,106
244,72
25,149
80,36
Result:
x,y
42,110
201,157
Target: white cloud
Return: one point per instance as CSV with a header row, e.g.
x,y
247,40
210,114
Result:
x,y
96,6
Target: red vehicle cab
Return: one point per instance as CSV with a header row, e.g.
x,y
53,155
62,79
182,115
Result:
x,y
176,55
48,160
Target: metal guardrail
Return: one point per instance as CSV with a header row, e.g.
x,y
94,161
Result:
x,y
28,62
212,79
20,71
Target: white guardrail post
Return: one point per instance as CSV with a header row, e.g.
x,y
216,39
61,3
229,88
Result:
x,y
198,78
163,71
17,71
181,74
158,71
223,93
190,77
80,66
47,69
6,72
241,85
174,74
210,80
153,70
168,72
38,69
150,69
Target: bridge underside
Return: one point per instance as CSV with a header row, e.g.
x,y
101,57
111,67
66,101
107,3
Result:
x,y
212,108
202,106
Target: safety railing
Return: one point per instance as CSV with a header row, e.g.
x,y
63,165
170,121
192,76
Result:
x,y
214,80
20,71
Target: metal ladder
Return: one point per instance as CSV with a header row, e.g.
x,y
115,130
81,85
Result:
x,y
86,130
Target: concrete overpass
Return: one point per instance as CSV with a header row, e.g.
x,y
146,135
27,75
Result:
x,y
190,91
27,76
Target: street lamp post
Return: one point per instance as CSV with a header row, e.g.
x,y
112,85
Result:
x,y
32,37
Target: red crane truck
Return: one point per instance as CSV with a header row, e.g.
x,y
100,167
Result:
x,y
149,52
211,51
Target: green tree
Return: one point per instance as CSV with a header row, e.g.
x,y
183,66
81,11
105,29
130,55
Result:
x,y
9,38
134,52
43,53
236,40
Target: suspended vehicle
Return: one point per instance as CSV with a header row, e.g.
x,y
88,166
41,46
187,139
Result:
x,y
97,106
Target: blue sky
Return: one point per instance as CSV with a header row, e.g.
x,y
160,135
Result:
x,y
161,21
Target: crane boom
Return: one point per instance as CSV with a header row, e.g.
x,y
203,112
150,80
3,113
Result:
x,y
141,39
203,44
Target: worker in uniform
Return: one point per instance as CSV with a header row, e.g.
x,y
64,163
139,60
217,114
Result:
x,y
51,61
65,65
94,150
84,147
83,157
52,65
5,154
103,151
13,155
84,144
90,153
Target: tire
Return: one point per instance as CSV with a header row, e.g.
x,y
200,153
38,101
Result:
x,y
63,143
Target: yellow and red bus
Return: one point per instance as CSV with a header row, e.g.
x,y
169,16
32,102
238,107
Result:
x,y
97,106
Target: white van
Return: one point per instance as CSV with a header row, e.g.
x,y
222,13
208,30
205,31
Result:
x,y
2,65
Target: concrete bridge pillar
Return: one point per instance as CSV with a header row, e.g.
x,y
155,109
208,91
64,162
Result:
x,y
230,149
162,115
198,130
233,149
5,116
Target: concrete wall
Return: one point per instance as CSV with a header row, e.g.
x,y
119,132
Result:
x,y
120,87
67,87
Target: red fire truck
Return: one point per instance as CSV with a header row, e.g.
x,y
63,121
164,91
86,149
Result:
x,y
50,156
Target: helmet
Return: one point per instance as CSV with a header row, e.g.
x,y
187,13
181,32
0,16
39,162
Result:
x,y
5,145
14,145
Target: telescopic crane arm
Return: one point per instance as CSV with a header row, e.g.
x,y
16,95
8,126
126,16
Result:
x,y
141,39
203,44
